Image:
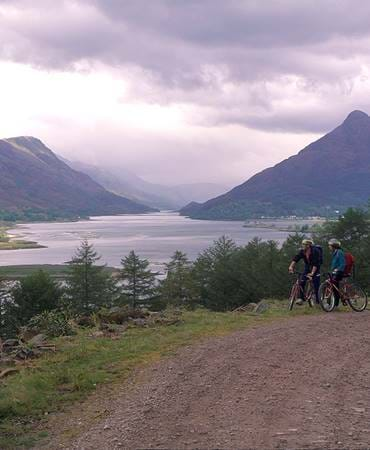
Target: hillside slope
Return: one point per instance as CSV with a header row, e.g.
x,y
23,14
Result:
x,y
126,183
328,175
34,183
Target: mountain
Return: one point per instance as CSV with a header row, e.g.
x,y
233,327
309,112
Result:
x,y
124,182
35,184
330,174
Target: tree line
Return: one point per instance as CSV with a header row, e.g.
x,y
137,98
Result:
x,y
223,277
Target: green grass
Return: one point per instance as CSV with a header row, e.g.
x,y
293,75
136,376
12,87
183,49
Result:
x,y
18,244
19,271
83,363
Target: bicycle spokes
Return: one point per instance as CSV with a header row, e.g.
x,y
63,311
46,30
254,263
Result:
x,y
326,297
356,297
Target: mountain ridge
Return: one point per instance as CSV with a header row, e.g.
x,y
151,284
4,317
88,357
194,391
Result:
x,y
36,184
327,175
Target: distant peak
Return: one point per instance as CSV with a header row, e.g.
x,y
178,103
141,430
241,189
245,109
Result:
x,y
31,145
356,115
24,140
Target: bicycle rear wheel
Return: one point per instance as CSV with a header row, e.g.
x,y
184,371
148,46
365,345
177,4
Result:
x,y
326,297
356,297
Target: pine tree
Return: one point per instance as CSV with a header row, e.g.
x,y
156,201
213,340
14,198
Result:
x,y
178,287
139,282
215,271
33,295
89,287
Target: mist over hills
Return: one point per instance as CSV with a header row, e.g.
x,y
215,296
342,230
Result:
x,y
123,182
36,185
330,174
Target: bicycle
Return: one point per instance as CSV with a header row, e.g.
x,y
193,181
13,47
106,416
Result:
x,y
349,293
296,291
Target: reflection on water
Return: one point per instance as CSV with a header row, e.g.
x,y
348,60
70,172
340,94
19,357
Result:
x,y
153,236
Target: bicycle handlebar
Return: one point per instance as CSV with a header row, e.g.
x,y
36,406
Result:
x,y
301,273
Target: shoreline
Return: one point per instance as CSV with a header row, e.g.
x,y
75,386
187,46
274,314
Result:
x,y
58,271
301,225
13,242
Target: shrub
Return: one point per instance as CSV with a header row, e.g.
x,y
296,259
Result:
x,y
51,323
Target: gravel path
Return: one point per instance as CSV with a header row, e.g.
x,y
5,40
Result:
x,y
297,383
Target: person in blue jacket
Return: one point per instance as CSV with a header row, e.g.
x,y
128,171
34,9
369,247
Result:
x,y
338,265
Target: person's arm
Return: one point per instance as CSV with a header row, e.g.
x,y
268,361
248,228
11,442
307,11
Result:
x,y
297,258
313,271
315,262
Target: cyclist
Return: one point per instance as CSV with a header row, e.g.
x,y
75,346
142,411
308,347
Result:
x,y
312,257
338,264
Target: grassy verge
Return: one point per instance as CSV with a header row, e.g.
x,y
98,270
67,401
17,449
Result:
x,y
83,363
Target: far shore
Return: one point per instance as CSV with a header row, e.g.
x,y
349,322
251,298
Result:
x,y
301,224
59,271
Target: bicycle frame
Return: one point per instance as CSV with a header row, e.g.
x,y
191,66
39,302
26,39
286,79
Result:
x,y
297,291
340,290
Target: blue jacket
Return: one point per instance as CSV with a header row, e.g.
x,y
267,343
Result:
x,y
338,261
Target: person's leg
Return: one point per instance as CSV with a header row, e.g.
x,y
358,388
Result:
x,y
316,285
302,284
337,277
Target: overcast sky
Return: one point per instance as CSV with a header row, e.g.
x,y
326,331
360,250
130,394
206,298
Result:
x,y
182,90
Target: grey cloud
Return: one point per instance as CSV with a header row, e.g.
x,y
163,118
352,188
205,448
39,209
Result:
x,y
292,122
176,37
189,49
268,23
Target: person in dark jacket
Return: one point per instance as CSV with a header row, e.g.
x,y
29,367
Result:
x,y
338,265
312,257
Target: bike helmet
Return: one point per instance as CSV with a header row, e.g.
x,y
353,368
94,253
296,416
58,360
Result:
x,y
307,242
334,243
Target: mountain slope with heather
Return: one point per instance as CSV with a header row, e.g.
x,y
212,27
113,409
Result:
x,y
330,174
36,185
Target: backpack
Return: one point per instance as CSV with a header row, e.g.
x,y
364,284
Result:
x,y
350,261
318,248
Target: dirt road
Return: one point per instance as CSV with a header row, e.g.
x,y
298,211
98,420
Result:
x,y
298,383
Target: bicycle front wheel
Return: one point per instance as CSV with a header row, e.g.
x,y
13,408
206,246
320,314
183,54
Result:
x,y
293,296
309,293
326,297
356,297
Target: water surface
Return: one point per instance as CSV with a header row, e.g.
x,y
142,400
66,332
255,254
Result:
x,y
153,236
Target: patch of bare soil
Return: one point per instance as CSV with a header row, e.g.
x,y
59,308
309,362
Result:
x,y
298,383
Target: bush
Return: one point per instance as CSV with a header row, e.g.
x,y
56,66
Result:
x,y
50,323
120,314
